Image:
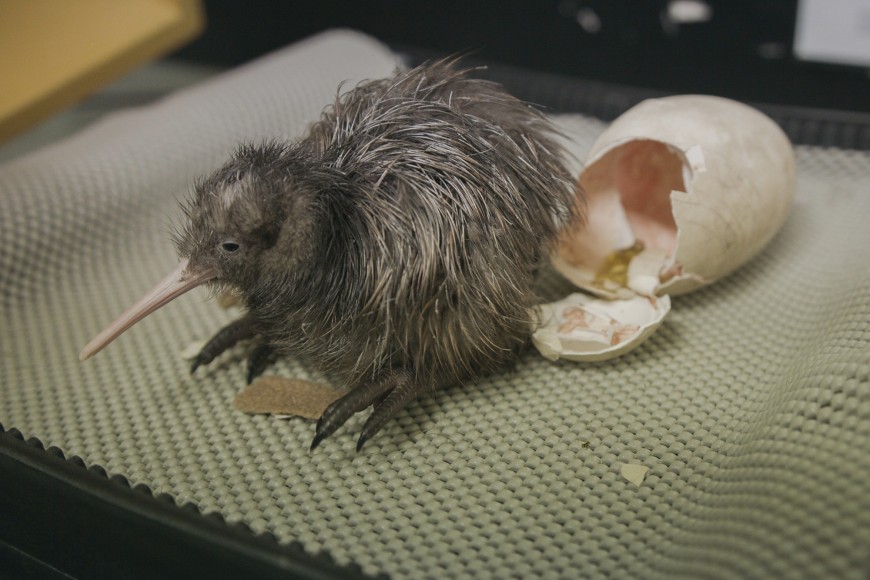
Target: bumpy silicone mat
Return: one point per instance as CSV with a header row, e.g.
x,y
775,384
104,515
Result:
x,y
750,406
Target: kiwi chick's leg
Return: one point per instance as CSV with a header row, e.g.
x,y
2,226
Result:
x,y
387,407
258,360
225,338
356,400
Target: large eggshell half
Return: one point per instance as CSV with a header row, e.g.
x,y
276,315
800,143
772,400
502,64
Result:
x,y
701,182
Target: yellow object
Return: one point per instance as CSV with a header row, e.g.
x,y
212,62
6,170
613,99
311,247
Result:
x,y
54,52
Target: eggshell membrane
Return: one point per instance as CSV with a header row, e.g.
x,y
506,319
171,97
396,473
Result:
x,y
703,180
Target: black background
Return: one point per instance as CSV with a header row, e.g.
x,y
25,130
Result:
x,y
743,52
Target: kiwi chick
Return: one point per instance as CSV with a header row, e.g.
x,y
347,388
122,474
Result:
x,y
394,247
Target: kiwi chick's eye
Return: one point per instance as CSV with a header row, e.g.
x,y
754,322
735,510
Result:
x,y
230,246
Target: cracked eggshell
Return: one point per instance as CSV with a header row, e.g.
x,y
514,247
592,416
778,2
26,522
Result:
x,y
584,328
699,183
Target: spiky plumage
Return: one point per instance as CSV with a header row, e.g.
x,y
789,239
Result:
x,y
395,246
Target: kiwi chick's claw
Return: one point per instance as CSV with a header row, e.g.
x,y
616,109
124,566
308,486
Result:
x,y
394,247
226,337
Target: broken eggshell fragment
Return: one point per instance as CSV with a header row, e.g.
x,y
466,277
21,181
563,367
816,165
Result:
x,y
681,191
585,328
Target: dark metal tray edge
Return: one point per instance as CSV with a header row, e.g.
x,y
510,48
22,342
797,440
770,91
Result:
x,y
62,519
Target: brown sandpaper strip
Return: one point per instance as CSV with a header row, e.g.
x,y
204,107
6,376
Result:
x,y
282,396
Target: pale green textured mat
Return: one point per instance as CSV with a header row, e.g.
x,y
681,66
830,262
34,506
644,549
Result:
x,y
750,406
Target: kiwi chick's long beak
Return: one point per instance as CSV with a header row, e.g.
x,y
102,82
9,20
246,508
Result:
x,y
179,281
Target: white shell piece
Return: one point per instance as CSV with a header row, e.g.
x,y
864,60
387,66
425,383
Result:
x,y
584,328
704,180
634,472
